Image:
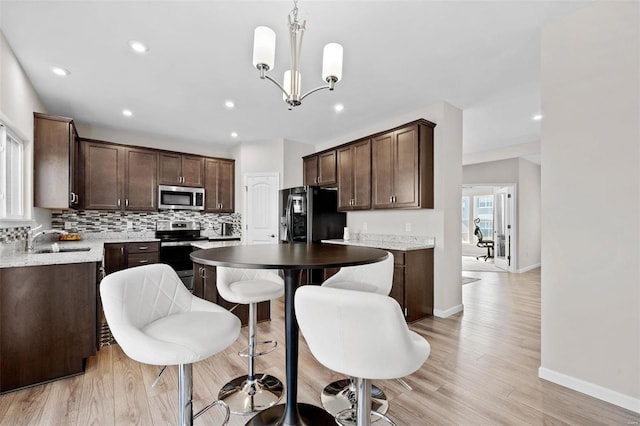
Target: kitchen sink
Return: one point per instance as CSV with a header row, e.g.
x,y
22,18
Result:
x,y
63,250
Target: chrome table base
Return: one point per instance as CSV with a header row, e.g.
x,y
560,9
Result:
x,y
245,397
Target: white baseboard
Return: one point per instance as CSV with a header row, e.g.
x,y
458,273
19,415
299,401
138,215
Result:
x,y
528,268
590,389
448,312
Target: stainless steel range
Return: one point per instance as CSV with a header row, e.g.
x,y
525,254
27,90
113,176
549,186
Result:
x,y
175,246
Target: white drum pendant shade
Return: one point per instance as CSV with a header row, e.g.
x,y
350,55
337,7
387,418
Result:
x,y
264,47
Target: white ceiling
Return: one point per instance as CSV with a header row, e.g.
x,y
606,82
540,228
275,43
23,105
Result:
x,y
400,56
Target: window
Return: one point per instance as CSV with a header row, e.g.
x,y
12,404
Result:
x,y
11,175
483,209
477,207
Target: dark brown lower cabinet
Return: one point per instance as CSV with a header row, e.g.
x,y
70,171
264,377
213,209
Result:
x,y
47,322
413,282
204,286
118,256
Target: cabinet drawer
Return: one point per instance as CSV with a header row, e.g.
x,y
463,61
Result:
x,y
148,247
398,257
139,259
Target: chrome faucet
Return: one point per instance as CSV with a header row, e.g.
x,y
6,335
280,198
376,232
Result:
x,y
32,235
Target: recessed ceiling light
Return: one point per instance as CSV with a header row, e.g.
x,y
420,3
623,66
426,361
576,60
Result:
x,y
338,107
234,135
229,104
138,46
127,112
537,117
60,71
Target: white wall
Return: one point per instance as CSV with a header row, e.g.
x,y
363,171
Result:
x,y
18,101
529,213
443,222
591,198
152,141
293,153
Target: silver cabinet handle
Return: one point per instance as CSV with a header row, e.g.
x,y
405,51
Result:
x,y
143,261
118,202
126,202
143,248
391,199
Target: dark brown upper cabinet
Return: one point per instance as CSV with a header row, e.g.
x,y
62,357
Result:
x,y
55,162
354,176
181,169
402,167
118,177
320,169
219,185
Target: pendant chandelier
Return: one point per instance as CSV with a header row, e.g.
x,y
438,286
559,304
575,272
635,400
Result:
x,y
264,51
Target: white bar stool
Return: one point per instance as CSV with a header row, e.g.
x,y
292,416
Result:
x,y
363,335
376,278
255,391
157,321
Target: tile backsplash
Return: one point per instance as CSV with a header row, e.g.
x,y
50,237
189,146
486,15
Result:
x,y
89,221
94,221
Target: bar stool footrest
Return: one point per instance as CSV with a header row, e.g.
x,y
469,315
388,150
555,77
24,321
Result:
x,y
245,352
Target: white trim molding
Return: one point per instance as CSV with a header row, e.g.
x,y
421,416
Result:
x,y
528,268
448,312
590,389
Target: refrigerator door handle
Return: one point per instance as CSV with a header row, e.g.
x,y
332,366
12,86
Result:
x,y
288,229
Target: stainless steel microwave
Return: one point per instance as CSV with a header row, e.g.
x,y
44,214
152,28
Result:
x,y
180,198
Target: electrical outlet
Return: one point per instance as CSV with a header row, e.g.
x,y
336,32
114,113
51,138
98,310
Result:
x,y
68,225
129,224
364,226
407,227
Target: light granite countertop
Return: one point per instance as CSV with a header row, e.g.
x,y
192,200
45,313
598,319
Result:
x,y
24,258
387,244
203,245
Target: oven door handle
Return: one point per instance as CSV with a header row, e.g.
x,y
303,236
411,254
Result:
x,y
175,243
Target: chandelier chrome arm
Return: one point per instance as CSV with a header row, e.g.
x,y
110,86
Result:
x,y
263,74
329,86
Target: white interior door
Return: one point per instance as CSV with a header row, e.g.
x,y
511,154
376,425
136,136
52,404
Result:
x,y
502,227
261,211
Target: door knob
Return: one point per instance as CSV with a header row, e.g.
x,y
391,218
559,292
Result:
x,y
272,235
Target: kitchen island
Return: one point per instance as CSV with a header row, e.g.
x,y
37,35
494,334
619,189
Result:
x,y
412,269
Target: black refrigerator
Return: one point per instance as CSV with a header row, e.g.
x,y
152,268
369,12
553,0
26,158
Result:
x,y
310,214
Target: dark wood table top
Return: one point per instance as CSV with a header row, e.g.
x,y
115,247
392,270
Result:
x,y
288,256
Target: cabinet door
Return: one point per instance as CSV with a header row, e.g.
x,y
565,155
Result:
x,y
115,257
382,148
362,175
103,168
170,169
310,170
198,280
140,182
219,185
327,168
51,162
226,186
192,171
345,162
398,287
406,190
74,167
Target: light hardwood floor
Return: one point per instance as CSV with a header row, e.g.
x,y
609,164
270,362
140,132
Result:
x,y
482,371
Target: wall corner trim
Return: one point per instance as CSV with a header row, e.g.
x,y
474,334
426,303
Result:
x,y
591,389
448,312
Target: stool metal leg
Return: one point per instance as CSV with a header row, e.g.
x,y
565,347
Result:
x,y
185,395
363,389
341,395
253,392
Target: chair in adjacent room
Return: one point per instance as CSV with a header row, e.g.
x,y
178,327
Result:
x,y
157,321
252,392
359,334
482,242
372,278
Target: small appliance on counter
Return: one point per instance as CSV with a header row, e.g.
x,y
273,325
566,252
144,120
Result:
x,y
226,229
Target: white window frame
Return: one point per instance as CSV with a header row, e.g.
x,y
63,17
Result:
x,y
18,170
